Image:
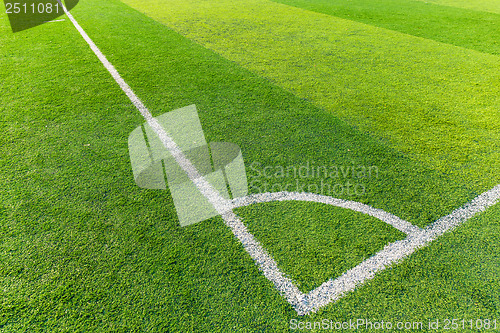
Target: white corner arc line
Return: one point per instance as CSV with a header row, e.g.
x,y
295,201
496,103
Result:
x,y
333,289
395,252
396,222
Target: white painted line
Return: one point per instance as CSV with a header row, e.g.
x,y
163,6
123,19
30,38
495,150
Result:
x,y
395,252
333,289
388,218
54,21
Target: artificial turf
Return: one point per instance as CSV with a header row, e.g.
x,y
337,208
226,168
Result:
x,y
83,249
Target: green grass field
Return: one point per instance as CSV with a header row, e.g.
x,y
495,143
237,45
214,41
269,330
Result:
x,y
409,87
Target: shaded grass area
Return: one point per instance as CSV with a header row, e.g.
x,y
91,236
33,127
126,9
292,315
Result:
x,y
436,20
436,103
315,242
83,249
